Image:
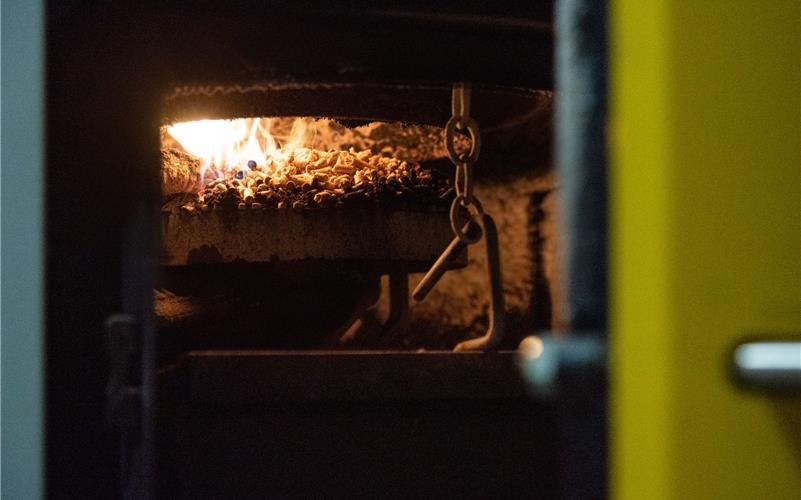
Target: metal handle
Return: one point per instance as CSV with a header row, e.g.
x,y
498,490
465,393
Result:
x,y
768,366
472,232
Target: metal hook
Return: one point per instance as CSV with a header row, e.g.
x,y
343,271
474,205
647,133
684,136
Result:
x,y
497,313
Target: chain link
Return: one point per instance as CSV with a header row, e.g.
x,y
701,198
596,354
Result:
x,y
461,121
460,214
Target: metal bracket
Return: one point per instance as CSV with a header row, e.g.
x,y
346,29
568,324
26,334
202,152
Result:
x,y
369,326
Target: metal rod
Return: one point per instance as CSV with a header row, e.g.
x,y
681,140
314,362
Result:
x,y
769,365
453,250
580,153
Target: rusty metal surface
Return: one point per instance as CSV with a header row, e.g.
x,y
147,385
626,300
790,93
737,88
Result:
x,y
252,376
288,235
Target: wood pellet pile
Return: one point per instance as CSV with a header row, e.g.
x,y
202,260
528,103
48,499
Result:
x,y
313,179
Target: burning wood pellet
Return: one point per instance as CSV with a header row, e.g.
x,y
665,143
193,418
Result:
x,y
321,179
245,163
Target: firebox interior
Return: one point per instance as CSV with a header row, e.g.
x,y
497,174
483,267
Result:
x,y
301,232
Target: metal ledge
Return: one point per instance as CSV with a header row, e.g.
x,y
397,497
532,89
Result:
x,y
243,377
290,235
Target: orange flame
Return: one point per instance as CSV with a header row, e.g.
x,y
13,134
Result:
x,y
226,146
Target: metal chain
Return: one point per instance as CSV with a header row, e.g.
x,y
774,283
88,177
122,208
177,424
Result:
x,y
461,121
469,223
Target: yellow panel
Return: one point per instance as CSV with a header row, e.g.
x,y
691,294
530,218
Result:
x,y
706,243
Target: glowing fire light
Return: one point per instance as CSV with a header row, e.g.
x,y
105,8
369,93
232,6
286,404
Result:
x,y
226,146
